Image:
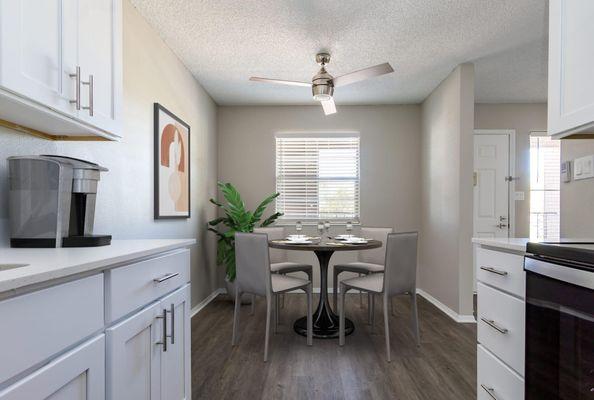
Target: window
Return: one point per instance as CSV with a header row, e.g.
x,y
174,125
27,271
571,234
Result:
x,y
545,157
317,177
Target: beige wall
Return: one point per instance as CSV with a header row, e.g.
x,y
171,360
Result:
x,y
390,156
523,118
577,197
445,269
152,73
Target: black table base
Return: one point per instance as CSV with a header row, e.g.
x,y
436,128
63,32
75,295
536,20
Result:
x,y
325,322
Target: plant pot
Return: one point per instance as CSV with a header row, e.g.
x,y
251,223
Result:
x,y
245,298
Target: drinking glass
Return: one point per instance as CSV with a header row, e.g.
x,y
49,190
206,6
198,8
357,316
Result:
x,y
298,227
321,228
349,227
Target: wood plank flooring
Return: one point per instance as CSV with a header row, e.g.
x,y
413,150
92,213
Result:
x,y
444,367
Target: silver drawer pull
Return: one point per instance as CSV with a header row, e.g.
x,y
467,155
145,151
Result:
x,y
166,277
90,83
76,76
172,323
163,341
490,391
493,325
494,271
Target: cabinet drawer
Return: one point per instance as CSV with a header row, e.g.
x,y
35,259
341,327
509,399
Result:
x,y
502,270
38,325
501,325
134,286
496,378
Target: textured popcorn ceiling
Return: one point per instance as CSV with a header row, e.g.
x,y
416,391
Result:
x,y
224,42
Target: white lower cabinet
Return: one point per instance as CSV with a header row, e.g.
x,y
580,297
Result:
x,y
495,380
148,354
76,375
141,351
500,324
175,362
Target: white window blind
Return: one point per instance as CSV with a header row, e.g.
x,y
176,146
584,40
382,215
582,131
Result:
x,y
545,158
317,177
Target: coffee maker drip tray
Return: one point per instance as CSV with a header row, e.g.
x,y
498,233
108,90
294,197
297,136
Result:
x,y
70,241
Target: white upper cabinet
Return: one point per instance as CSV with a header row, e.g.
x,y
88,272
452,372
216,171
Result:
x,y
99,57
571,83
43,44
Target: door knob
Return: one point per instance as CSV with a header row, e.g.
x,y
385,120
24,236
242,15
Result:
x,y
502,218
501,226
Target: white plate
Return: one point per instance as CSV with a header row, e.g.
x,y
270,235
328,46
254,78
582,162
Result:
x,y
356,241
299,242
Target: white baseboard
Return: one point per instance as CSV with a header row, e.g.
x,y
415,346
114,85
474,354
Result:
x,y
460,318
198,307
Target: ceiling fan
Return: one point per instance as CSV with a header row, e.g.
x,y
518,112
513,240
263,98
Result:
x,y
323,84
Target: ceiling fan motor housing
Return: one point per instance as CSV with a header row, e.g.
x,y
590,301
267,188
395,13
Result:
x,y
321,86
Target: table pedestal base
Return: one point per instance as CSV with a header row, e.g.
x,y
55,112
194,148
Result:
x,y
325,322
324,332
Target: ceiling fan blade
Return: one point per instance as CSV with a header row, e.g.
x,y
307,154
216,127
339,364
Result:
x,y
362,74
329,106
280,81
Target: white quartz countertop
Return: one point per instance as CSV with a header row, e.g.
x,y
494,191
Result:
x,y
515,244
49,264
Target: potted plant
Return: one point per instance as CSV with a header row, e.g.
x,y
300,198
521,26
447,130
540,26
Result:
x,y
236,219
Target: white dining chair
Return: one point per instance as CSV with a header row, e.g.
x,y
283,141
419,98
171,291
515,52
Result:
x,y
369,262
253,276
399,277
279,264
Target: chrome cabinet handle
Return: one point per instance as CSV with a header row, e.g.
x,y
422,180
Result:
x,y
490,391
163,341
91,85
493,325
76,76
166,277
501,226
494,271
172,323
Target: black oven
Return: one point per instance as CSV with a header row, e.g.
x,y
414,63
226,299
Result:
x,y
559,327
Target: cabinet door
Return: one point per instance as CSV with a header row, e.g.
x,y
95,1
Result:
x,y
37,51
76,375
134,356
100,55
571,87
175,362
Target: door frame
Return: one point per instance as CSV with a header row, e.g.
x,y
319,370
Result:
x,y
511,203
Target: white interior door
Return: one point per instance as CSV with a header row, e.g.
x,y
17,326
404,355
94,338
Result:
x,y
491,187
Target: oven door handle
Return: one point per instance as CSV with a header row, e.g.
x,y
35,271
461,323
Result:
x,y
578,277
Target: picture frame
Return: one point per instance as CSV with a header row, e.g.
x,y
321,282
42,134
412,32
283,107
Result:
x,y
171,165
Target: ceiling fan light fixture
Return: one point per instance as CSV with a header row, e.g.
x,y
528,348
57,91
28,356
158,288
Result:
x,y
322,92
322,97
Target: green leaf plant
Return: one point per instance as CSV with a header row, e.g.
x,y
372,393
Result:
x,y
236,219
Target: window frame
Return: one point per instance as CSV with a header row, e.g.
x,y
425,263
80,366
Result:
x,y
281,221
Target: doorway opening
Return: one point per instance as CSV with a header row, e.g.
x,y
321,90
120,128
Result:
x,y
545,178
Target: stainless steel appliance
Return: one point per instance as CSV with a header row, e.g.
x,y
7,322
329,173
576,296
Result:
x,y
559,321
52,202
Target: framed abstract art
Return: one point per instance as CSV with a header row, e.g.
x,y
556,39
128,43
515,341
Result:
x,y
172,165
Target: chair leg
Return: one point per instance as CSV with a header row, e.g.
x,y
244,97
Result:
x,y
415,318
335,289
253,306
234,337
309,314
341,316
386,326
268,317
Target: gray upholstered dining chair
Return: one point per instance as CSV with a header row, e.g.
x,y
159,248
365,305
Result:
x,y
254,277
278,260
399,277
369,262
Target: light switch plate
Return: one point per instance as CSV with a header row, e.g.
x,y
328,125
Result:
x,y
583,167
518,196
